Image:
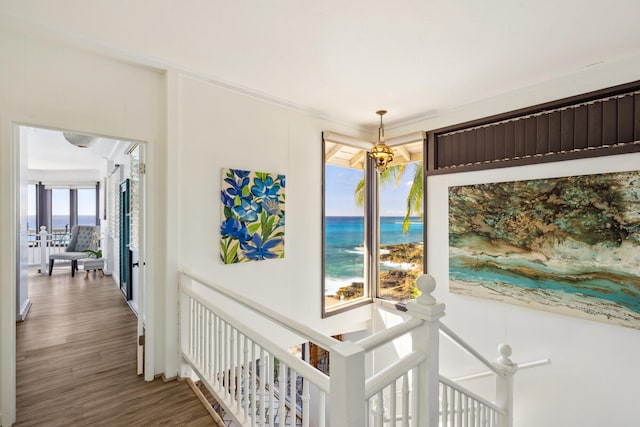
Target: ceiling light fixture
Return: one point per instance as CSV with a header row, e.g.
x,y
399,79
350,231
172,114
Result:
x,y
79,140
381,153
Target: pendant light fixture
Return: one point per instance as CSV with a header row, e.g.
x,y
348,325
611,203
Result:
x,y
381,153
79,140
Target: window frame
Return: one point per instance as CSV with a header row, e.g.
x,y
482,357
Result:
x,y
371,226
368,297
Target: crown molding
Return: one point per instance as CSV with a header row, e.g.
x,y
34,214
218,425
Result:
x,y
18,24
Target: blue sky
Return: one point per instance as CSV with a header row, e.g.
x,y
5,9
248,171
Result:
x,y
340,184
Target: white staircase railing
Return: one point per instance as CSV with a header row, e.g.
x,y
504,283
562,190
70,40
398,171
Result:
x,y
260,383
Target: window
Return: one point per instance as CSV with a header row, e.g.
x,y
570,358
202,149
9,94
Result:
x,y
32,208
87,206
344,228
60,210
373,229
401,231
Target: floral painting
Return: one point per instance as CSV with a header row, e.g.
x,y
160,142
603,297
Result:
x,y
252,226
569,245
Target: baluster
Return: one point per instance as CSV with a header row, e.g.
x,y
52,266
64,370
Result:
x,y
225,352
191,314
293,393
484,416
220,372
322,409
452,405
210,347
272,390
238,376
305,403
445,405
392,403
415,393
254,383
473,413
196,358
282,395
200,337
461,413
231,386
405,400
261,396
216,346
466,411
378,420
245,375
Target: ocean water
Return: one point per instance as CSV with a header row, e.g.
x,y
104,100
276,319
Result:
x,y
344,253
62,221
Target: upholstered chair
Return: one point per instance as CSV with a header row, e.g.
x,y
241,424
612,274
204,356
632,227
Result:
x,y
83,237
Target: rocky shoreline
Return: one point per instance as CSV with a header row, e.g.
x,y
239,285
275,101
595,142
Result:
x,y
401,265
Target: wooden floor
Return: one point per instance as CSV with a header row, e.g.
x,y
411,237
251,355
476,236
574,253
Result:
x,y
76,361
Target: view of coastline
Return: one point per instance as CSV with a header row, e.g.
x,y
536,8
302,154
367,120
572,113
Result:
x,y
400,257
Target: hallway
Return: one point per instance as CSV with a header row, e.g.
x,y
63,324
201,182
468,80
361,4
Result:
x,y
76,361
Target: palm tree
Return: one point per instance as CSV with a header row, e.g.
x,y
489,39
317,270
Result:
x,y
414,198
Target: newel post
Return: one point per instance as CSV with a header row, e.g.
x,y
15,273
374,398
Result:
x,y
504,385
347,385
43,249
426,339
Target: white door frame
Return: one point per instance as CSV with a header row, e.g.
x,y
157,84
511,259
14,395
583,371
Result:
x,y
9,179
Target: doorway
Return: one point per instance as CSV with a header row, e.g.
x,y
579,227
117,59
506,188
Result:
x,y
77,185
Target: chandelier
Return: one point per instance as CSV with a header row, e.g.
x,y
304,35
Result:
x,y
380,152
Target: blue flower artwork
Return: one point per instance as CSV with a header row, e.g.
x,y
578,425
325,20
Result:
x,y
252,221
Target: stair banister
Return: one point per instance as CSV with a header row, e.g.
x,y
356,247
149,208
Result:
x,y
504,385
289,324
425,339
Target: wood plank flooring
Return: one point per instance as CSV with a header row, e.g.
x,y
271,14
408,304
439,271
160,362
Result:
x,y
76,361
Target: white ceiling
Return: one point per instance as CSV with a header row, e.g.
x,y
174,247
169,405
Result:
x,y
49,150
347,59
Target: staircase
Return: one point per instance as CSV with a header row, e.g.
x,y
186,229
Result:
x,y
250,376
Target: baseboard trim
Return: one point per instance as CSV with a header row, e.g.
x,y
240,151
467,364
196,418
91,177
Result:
x,y
20,317
207,405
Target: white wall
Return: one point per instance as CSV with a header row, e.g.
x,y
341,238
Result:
x,y
589,359
593,377
45,83
222,129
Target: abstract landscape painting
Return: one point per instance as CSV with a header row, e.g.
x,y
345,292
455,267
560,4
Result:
x,y
252,226
569,245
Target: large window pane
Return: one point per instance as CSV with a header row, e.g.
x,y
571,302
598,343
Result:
x,y
86,206
60,210
344,226
31,208
401,228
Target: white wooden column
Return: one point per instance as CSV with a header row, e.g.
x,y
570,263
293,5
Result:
x,y
347,385
426,339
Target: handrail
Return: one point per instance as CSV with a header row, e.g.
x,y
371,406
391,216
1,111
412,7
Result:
x,y
289,324
472,395
386,376
318,378
466,347
522,366
376,340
